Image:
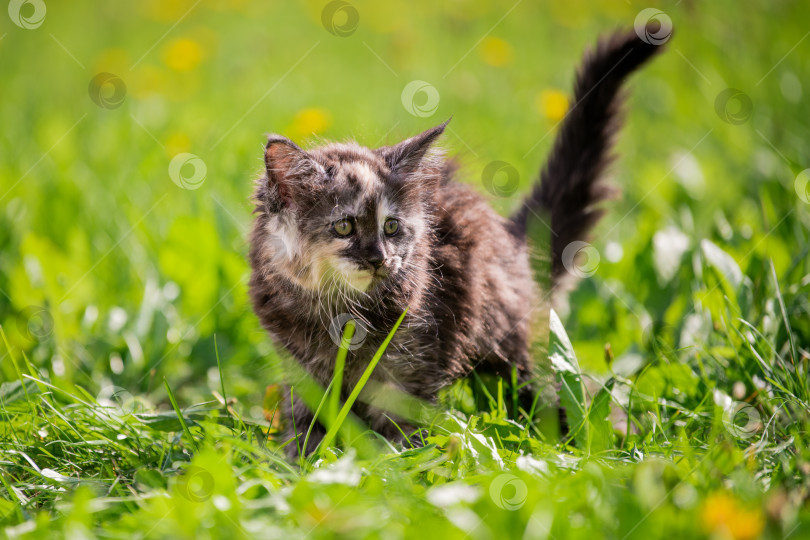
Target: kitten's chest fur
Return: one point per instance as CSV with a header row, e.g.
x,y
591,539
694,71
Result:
x,y
310,329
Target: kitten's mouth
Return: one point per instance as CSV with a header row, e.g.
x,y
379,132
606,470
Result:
x,y
365,280
361,280
357,278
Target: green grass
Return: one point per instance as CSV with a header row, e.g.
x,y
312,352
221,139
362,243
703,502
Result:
x,y
138,393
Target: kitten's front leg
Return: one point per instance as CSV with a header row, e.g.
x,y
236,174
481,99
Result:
x,y
391,411
298,418
398,431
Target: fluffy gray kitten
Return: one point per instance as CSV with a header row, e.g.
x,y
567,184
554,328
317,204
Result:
x,y
344,231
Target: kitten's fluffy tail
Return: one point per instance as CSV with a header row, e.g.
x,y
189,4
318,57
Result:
x,y
570,186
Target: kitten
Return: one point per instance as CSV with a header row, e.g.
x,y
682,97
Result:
x,y
344,231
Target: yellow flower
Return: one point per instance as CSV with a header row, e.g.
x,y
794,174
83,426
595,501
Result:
x,y
495,52
309,122
177,143
147,81
182,54
552,104
224,5
724,515
166,10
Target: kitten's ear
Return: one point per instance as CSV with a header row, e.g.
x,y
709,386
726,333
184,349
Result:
x,y
288,167
405,157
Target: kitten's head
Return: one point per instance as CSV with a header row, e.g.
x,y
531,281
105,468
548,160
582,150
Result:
x,y
342,216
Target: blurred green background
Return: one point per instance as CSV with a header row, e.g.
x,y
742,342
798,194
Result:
x,y
114,274
111,273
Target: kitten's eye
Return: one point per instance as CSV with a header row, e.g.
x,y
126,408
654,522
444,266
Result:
x,y
343,227
391,226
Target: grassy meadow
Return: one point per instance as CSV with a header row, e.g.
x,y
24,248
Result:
x,y
138,392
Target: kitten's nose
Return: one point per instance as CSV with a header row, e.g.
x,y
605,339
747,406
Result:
x,y
375,257
376,261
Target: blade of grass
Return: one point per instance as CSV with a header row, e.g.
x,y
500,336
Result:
x,y
340,364
221,377
501,406
401,432
60,390
14,363
292,417
312,393
793,353
315,419
12,492
231,412
341,417
179,414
